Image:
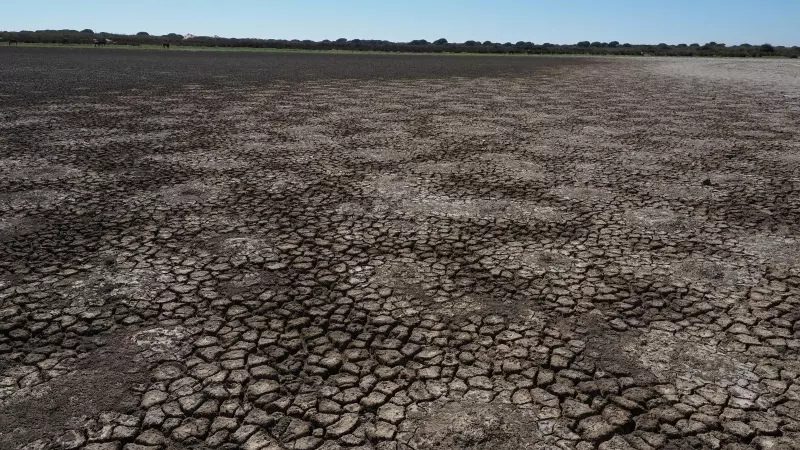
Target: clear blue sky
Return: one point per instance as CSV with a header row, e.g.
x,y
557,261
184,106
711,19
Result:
x,y
557,21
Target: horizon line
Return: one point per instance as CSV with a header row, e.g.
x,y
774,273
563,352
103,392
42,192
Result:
x,y
183,36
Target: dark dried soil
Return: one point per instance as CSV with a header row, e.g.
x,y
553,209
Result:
x,y
316,251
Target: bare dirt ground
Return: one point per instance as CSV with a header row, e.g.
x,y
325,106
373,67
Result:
x,y
437,252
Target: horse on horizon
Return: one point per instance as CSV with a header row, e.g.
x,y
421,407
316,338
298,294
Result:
x,y
13,42
165,45
100,42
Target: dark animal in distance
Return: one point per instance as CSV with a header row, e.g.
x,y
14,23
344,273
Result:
x,y
165,45
13,42
100,42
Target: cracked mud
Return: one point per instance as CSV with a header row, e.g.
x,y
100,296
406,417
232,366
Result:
x,y
322,252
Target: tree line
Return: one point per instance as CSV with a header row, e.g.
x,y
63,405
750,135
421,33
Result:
x,y
442,45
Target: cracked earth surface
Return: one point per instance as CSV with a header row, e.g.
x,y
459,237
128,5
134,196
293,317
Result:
x,y
409,253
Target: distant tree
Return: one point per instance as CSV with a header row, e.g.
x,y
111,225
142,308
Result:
x,y
712,48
